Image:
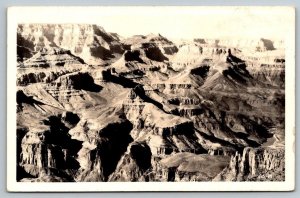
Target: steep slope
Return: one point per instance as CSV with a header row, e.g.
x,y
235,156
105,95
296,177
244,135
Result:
x,y
90,42
54,56
151,41
255,165
199,110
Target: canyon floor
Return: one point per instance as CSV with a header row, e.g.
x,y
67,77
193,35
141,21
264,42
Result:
x,y
93,106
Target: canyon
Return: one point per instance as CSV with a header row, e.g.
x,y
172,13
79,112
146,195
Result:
x,y
93,106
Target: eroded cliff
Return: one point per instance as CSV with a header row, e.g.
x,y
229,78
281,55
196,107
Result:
x,y
94,107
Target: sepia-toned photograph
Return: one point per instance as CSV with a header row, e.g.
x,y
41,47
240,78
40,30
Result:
x,y
151,96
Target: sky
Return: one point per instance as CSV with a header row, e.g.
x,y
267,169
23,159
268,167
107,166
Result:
x,y
174,22
203,23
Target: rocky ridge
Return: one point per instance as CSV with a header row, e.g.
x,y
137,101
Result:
x,y
92,106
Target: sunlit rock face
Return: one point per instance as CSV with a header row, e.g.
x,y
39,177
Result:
x,y
258,164
93,106
90,42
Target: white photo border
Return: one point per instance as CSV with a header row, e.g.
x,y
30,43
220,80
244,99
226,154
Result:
x,y
18,15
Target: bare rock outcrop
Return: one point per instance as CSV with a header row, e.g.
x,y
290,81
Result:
x,y
49,152
91,42
54,56
92,106
166,46
103,145
134,165
255,164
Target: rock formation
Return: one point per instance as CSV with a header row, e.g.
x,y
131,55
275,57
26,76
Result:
x,y
90,42
255,165
93,106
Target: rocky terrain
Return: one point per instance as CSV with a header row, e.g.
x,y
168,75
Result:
x,y
93,106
